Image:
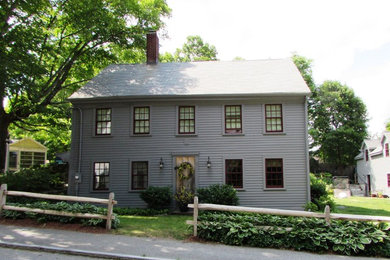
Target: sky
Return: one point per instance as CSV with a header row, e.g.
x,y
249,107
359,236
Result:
x,y
348,41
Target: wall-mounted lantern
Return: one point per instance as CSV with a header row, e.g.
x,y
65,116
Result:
x,y
208,162
161,163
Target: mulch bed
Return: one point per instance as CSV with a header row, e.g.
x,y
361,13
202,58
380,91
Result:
x,y
54,225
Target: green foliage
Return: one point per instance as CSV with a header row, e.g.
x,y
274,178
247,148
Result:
x,y
311,234
48,49
140,212
193,50
218,194
61,206
319,193
184,197
157,197
388,126
52,129
304,66
339,123
49,178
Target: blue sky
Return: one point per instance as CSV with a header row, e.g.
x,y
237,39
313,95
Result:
x,y
348,40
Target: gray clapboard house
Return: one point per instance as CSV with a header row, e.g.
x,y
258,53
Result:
x,y
242,123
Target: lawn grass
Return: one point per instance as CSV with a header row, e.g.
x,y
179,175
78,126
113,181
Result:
x,y
167,226
363,206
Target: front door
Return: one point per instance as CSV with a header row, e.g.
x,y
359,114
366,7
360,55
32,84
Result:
x,y
185,173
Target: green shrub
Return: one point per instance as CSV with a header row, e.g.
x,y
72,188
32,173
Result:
x,y
218,194
184,197
140,212
157,197
43,179
61,206
311,234
319,193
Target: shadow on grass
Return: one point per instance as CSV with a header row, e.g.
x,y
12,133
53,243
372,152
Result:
x,y
361,211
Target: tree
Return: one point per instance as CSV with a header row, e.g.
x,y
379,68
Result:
x,y
304,66
339,124
193,50
388,126
48,48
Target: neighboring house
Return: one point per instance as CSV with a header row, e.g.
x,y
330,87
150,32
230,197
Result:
x,y
25,153
242,123
373,165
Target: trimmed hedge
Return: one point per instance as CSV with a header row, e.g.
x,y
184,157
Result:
x,y
218,194
157,197
309,234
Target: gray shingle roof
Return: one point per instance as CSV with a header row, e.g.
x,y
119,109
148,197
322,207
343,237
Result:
x,y
262,77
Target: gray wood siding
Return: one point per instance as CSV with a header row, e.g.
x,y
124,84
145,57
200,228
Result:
x,y
253,147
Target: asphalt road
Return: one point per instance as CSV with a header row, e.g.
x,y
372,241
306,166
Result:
x,y
96,245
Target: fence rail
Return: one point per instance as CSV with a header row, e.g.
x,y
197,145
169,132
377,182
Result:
x,y
110,202
295,213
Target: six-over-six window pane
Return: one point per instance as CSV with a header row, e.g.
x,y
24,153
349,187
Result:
x,y
233,119
139,175
274,173
141,120
233,172
273,118
187,120
103,121
101,175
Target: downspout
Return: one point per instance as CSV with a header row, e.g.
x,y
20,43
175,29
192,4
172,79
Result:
x,y
77,177
307,152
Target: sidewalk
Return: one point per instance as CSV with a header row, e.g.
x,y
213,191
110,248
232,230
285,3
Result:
x,y
126,247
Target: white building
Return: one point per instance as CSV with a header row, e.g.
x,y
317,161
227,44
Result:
x,y
25,153
373,165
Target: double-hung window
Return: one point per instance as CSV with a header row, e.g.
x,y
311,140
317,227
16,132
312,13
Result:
x,y
103,121
233,119
101,175
233,173
139,175
141,123
186,122
274,173
273,118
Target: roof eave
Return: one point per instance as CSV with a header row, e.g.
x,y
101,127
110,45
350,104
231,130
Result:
x,y
195,96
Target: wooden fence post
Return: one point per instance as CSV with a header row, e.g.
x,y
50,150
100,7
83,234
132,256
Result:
x,y
3,196
110,210
327,214
196,216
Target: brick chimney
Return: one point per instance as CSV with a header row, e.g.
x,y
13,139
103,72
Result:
x,y
151,48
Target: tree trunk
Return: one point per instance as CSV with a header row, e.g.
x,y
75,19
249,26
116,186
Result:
x,y
4,123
